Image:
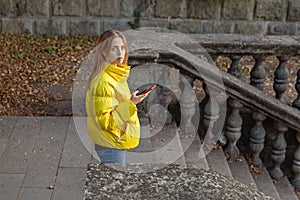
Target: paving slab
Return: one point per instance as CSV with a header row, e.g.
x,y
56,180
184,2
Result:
x,y
20,146
44,162
82,131
10,186
74,153
70,184
35,193
7,125
3,144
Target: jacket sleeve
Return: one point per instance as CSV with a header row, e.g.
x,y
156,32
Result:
x,y
112,115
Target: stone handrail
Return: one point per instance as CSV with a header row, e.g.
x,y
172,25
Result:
x,y
225,44
234,87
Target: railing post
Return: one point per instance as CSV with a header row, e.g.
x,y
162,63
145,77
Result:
x,y
187,106
296,165
296,103
211,113
281,78
234,120
296,160
279,144
257,133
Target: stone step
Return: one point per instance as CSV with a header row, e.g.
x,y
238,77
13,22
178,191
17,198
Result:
x,y
265,184
285,189
241,172
191,146
217,162
166,145
160,145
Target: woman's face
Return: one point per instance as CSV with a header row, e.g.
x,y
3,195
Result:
x,y
117,51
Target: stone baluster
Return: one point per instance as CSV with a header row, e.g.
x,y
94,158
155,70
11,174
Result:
x,y
296,161
211,114
234,120
187,106
296,165
279,144
257,132
278,150
234,67
296,103
281,78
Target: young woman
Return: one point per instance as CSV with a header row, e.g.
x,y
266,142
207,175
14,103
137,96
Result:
x,y
113,123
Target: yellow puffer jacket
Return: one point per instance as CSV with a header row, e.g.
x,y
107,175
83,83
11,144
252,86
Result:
x,y
112,117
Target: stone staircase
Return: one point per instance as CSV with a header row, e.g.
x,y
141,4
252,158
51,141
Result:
x,y
161,146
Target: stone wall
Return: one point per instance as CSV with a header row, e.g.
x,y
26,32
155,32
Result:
x,y
91,17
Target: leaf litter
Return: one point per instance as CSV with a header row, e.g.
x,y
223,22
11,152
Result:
x,y
31,65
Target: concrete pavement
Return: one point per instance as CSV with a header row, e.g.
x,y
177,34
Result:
x,y
41,158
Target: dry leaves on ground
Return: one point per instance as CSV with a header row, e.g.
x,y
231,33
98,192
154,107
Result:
x,y
31,64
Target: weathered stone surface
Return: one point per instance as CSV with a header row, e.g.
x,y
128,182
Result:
x,y
7,124
225,27
204,9
250,28
39,8
293,10
35,193
169,182
46,154
120,24
251,45
297,29
5,7
10,185
3,143
236,9
163,23
30,8
84,27
170,8
68,7
74,153
102,8
186,26
127,7
270,10
51,27
69,184
17,26
19,148
278,28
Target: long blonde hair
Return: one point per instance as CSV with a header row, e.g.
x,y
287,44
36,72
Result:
x,y
103,48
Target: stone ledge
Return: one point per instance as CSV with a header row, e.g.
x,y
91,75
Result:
x,y
140,181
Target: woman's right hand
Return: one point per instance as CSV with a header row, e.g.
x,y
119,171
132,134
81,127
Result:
x,y
138,98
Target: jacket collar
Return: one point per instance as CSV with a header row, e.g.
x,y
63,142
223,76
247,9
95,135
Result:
x,y
119,72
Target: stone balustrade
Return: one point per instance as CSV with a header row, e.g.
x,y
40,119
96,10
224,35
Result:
x,y
283,119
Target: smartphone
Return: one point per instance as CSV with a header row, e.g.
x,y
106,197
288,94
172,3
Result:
x,y
148,90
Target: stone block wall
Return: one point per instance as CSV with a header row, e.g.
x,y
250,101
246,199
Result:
x,y
91,17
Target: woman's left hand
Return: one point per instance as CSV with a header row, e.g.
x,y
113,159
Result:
x,y
138,98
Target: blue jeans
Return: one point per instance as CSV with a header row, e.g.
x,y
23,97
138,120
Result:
x,y
111,155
